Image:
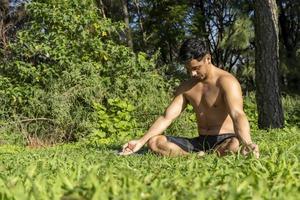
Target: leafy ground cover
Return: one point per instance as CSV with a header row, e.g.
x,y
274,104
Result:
x,y
85,171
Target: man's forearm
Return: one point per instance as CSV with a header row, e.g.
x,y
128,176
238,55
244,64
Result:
x,y
157,128
242,129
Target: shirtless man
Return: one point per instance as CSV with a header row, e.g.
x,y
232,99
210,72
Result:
x,y
216,98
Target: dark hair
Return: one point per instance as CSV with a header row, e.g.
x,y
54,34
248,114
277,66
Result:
x,y
193,48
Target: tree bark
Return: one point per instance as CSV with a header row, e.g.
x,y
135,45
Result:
x,y
4,9
270,112
126,20
140,19
100,5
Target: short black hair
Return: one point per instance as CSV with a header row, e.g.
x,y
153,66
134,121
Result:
x,y
193,48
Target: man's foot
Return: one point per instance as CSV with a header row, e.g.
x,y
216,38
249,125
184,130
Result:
x,y
200,154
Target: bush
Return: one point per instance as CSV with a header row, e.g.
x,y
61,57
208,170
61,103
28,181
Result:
x,y
116,121
65,58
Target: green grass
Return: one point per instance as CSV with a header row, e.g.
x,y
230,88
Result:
x,y
82,171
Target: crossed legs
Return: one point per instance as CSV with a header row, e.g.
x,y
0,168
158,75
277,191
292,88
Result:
x,y
159,144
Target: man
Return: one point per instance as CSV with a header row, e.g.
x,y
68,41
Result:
x,y
216,98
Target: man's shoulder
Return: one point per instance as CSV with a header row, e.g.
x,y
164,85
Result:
x,y
185,86
228,83
227,79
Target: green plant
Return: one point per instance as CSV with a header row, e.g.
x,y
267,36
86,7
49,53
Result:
x,y
80,171
291,104
116,121
251,110
64,58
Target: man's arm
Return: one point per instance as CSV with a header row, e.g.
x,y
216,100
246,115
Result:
x,y
161,123
234,101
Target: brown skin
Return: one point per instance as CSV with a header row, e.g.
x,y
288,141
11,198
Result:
x,y
216,97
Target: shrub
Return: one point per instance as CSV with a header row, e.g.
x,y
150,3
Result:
x,y
116,121
65,58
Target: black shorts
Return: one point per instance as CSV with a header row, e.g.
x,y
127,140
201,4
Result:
x,y
200,143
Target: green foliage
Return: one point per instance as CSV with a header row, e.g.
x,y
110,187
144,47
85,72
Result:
x,y
65,58
164,27
54,70
68,58
185,125
238,35
291,106
80,171
114,121
251,110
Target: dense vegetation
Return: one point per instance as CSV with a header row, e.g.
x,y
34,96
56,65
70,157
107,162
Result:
x,y
65,62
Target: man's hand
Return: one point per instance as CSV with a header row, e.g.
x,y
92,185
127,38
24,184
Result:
x,y
131,147
251,148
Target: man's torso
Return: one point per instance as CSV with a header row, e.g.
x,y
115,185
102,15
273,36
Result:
x,y
209,105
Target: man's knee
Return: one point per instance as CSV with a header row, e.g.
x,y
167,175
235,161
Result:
x,y
155,142
233,145
229,145
152,143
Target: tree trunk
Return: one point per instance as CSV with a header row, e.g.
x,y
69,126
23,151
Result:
x,y
140,19
270,113
126,20
4,9
100,5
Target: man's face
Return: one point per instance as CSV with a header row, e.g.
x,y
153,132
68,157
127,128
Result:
x,y
198,68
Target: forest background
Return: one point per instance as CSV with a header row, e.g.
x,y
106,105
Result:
x,y
102,70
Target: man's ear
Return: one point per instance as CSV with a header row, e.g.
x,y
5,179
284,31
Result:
x,y
208,58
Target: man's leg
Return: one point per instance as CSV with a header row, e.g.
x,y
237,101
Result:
x,y
230,145
159,144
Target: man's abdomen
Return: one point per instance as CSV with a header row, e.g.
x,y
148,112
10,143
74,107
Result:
x,y
215,125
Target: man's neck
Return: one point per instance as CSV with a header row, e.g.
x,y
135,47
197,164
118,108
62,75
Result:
x,y
210,75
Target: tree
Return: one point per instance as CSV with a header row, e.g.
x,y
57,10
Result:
x,y
270,113
10,20
229,31
165,24
289,21
126,20
66,57
139,15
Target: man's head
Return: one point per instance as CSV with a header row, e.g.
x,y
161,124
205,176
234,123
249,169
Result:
x,y
194,53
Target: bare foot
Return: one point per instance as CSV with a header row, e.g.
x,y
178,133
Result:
x,y
200,154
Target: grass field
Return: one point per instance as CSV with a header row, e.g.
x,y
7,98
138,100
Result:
x,y
84,171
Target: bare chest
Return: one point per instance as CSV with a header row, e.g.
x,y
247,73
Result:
x,y
206,98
